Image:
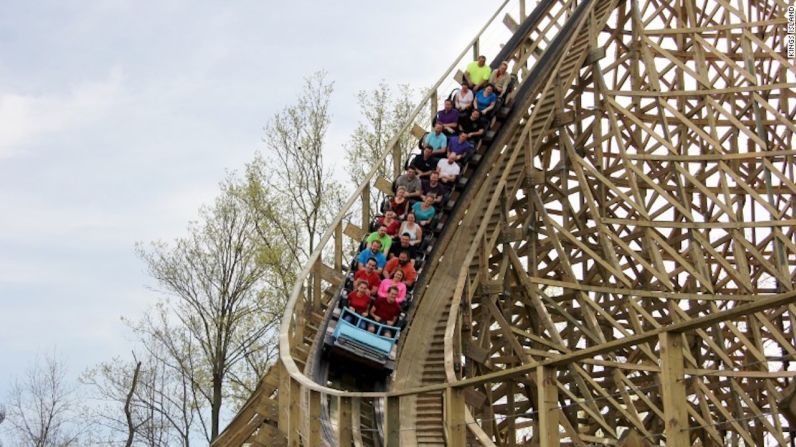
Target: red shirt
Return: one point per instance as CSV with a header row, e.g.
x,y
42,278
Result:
x,y
372,279
392,229
385,310
359,302
409,271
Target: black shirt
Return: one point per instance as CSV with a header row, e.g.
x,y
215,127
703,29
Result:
x,y
396,249
467,125
423,165
439,190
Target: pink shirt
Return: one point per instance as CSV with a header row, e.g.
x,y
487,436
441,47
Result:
x,y
385,285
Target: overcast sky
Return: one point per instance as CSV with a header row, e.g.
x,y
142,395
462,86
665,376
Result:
x,y
118,119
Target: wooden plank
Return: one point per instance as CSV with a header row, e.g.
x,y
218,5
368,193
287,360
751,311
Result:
x,y
418,131
475,352
510,23
384,185
459,76
330,274
474,398
354,232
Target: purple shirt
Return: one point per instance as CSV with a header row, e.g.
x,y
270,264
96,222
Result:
x,y
459,148
451,117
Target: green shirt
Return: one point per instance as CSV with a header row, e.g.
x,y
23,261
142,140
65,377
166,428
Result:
x,y
478,74
386,241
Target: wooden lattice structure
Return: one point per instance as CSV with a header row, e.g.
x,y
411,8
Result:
x,y
621,269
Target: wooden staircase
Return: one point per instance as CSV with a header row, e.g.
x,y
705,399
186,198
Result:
x,y
429,430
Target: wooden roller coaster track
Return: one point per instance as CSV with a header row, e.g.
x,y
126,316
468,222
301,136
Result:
x,y
620,269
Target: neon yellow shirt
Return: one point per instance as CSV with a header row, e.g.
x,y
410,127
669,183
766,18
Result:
x,y
478,74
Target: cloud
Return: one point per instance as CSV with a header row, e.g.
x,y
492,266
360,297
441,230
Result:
x,y
27,118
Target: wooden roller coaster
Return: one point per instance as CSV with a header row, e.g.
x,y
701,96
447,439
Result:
x,y
618,270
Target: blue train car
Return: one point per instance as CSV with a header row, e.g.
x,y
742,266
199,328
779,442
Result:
x,y
347,336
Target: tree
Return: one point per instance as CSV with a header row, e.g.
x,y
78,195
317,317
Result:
x,y
289,186
384,115
144,401
42,410
214,317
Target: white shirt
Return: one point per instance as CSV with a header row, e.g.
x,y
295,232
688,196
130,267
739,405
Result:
x,y
448,169
463,102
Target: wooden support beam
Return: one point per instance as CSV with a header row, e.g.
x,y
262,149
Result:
x,y
392,429
344,431
356,413
454,416
294,414
433,105
673,393
397,166
547,392
284,399
365,201
338,247
314,438
317,273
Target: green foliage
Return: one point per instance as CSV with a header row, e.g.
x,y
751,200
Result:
x,y
215,319
384,114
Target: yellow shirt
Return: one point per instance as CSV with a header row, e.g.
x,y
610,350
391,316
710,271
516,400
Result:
x,y
478,74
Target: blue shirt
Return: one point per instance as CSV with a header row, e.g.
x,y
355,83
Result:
x,y
484,101
459,148
367,253
423,215
436,141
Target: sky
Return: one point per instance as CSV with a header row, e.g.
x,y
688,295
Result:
x,y
119,118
